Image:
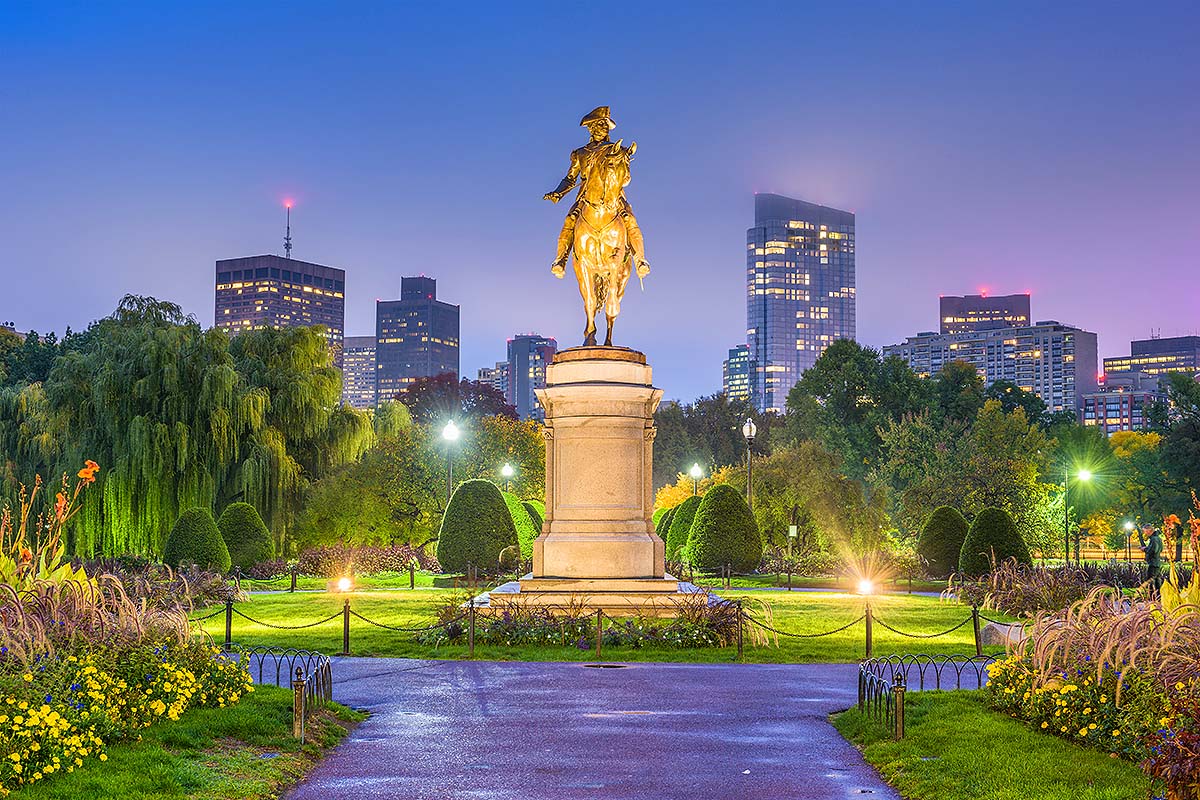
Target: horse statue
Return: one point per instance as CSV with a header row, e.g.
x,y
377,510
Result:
x,y
600,229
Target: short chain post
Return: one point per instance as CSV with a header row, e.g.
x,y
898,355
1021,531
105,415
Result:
x,y
741,615
294,570
298,705
412,575
898,687
345,628
228,624
599,633
975,622
868,617
471,630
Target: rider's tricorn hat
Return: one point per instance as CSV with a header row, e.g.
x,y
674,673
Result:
x,y
596,115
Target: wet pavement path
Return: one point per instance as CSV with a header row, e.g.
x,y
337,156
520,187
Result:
x,y
526,731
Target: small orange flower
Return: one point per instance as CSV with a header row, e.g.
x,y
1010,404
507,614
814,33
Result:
x,y
60,506
26,555
88,473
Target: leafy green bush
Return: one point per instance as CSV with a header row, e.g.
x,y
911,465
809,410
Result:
x,y
245,534
658,515
475,528
527,529
941,541
993,534
663,526
681,526
724,532
196,540
537,513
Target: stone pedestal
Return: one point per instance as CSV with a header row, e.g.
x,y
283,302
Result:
x,y
598,544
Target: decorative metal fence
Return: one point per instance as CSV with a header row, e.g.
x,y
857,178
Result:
x,y
289,666
884,681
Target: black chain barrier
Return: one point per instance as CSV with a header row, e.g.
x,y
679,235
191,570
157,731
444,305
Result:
x,y
767,627
287,627
210,616
883,624
432,627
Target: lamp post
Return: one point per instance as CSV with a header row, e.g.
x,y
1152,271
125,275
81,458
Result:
x,y
1128,536
1083,475
450,434
696,474
749,429
507,472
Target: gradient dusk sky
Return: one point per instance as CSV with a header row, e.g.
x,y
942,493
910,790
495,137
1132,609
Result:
x,y
1043,147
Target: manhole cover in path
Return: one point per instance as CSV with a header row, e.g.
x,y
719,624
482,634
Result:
x,y
606,666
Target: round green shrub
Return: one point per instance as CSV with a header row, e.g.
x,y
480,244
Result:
x,y
724,532
537,513
475,528
681,526
196,540
245,535
993,533
941,541
527,529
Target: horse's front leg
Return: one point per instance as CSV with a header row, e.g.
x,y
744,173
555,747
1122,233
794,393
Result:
x,y
587,291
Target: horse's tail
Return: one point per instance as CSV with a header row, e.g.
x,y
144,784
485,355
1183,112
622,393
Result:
x,y
600,287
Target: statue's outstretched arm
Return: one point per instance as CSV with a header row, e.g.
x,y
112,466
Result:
x,y
567,183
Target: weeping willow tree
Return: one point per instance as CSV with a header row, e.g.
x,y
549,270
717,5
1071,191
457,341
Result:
x,y
180,417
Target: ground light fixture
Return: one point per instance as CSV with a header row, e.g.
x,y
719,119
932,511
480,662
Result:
x,y
696,474
866,586
344,584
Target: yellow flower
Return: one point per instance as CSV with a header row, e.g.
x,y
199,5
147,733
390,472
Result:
x,y
28,677
1116,733
104,756
1179,686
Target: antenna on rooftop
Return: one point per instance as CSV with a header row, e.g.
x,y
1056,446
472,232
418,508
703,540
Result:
x,y
287,237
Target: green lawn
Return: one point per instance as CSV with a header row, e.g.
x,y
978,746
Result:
x,y
245,752
955,747
797,612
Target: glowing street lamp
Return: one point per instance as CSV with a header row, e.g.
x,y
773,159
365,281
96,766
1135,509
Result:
x,y
450,434
1128,536
1083,475
749,430
507,472
696,474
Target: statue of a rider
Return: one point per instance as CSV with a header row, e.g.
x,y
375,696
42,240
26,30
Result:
x,y
588,162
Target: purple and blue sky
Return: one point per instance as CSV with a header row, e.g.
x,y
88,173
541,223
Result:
x,y
1048,147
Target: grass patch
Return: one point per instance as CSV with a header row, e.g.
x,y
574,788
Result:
x,y
244,752
798,612
954,746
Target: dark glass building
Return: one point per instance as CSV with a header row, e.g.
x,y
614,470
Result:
x,y
528,357
1156,356
277,292
415,337
979,312
737,374
799,290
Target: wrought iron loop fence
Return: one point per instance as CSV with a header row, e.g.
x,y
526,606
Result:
x,y
883,681
285,666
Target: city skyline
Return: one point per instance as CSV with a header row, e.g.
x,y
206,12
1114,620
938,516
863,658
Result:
x,y
1040,131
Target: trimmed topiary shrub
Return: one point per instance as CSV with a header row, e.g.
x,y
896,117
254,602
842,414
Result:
x,y
537,513
724,532
941,541
245,535
658,515
196,540
681,526
475,528
527,530
993,533
663,526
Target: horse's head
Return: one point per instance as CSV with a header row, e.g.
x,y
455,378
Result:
x,y
616,165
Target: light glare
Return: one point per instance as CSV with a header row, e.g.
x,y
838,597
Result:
x,y
866,586
344,584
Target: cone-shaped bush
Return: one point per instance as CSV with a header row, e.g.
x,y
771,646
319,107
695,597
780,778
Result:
x,y
941,541
196,540
658,515
724,532
527,531
537,513
663,526
993,533
245,535
475,528
681,526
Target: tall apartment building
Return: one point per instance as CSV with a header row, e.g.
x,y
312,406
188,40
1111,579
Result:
x,y
528,357
799,290
981,312
277,292
358,371
1158,356
415,337
737,374
1122,402
496,377
1054,361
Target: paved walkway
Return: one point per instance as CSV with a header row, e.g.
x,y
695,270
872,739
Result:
x,y
441,730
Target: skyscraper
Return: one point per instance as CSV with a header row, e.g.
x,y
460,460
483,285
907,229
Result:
x,y
979,312
358,372
415,337
276,292
799,290
528,357
737,374
1054,361
496,377
1157,356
